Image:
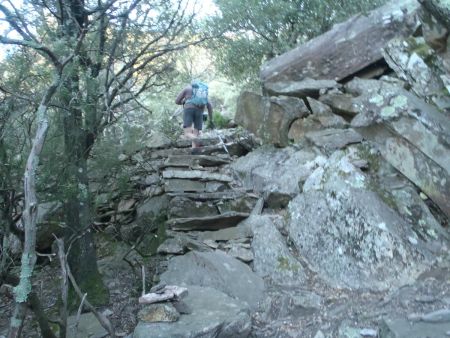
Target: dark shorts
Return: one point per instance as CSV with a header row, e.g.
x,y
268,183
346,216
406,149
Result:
x,y
193,116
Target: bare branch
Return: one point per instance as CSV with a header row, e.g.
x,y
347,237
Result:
x,y
100,317
31,44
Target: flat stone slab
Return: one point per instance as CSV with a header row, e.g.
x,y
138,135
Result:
x,y
217,270
186,185
401,327
183,207
302,89
333,139
239,232
210,196
196,175
213,314
226,220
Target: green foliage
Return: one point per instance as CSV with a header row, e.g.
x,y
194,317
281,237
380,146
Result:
x,y
220,121
260,30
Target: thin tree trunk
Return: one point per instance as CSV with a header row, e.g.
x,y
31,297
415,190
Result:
x,y
64,289
23,289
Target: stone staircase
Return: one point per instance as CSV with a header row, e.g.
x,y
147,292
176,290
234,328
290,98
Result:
x,y
204,195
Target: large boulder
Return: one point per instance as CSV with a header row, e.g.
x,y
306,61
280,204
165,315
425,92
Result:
x,y
346,49
269,117
291,165
216,270
213,314
348,228
352,239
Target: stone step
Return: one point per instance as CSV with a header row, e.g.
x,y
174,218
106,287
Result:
x,y
204,141
197,175
192,161
226,220
223,195
186,185
184,207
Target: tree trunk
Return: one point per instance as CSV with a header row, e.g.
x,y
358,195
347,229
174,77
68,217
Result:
x,y
79,237
82,257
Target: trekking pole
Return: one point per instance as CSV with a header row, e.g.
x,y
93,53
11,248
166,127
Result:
x,y
221,141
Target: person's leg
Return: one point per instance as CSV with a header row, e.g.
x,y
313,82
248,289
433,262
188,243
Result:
x,y
198,123
188,120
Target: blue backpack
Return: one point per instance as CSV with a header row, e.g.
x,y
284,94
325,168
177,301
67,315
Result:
x,y
199,94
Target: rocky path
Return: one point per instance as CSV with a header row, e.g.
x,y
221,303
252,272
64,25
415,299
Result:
x,y
245,244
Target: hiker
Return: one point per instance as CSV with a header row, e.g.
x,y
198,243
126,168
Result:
x,y
194,99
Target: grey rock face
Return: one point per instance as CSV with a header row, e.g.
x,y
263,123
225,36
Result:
x,y
352,239
269,117
213,315
217,270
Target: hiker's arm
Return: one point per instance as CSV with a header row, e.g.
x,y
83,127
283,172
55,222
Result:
x,y
181,97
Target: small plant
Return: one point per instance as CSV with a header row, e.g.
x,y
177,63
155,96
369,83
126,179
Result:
x,y
220,121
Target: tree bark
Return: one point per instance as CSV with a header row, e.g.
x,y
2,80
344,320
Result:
x,y
82,257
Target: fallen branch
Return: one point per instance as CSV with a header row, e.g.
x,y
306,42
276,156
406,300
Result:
x,y
101,318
